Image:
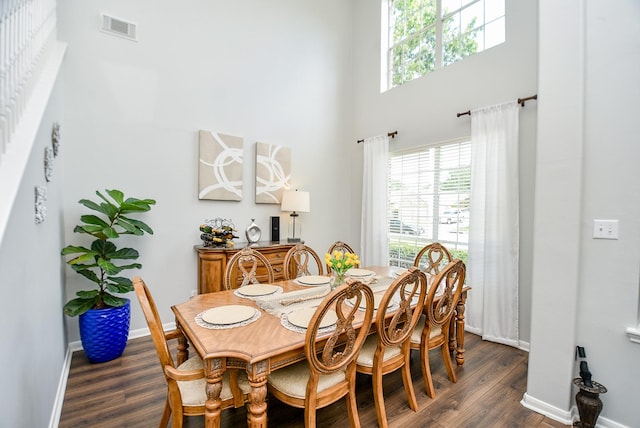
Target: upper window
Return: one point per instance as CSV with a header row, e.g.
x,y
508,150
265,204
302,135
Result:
x,y
424,35
428,200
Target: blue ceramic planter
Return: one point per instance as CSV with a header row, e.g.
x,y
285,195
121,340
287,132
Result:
x,y
104,332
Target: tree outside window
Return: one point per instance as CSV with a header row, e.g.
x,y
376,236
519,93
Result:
x,y
424,35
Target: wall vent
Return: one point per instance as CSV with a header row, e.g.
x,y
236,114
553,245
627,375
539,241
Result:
x,y
119,27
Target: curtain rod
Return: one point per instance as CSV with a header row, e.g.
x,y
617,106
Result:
x,y
391,134
521,101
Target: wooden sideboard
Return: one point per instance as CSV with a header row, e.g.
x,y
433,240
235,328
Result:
x,y
212,262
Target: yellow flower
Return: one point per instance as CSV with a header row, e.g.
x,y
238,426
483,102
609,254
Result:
x,y
341,262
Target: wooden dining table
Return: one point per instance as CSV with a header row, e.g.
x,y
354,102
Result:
x,y
262,345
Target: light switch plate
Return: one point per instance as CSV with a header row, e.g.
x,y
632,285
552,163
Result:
x,y
605,229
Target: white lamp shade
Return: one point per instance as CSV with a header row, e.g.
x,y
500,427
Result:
x,y
294,200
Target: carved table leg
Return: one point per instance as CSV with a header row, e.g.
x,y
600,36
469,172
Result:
x,y
257,406
460,328
183,349
214,371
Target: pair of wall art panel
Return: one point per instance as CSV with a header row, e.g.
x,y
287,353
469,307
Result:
x,y
220,169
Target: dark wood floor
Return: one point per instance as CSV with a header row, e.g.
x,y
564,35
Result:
x,y
130,392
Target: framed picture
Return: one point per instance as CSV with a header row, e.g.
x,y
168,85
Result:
x,y
220,167
273,172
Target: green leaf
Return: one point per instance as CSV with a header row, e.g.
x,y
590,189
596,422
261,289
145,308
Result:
x,y
79,306
89,228
71,249
121,280
125,253
90,256
103,246
139,224
117,195
109,267
119,288
92,205
126,225
110,232
88,294
89,274
94,219
114,301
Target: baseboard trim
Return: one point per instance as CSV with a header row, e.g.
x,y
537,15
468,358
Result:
x,y
553,412
608,423
66,366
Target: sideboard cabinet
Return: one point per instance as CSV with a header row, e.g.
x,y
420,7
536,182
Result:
x,y
212,262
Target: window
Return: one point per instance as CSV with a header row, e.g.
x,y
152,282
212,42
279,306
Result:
x,y
424,35
428,200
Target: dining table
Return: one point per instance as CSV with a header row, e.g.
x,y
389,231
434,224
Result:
x,y
261,335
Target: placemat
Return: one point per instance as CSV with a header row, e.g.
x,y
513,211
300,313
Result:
x,y
275,293
204,324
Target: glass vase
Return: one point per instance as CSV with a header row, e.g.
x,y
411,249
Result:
x,y
337,279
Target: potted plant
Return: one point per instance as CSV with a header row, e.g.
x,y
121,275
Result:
x,y
104,316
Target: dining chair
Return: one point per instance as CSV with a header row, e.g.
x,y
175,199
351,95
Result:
x,y
328,372
297,259
433,258
343,247
246,267
186,384
388,349
433,328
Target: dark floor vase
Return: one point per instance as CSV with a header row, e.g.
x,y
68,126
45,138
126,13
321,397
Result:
x,y
104,332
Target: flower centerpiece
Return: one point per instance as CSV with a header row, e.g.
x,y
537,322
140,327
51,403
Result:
x,y
340,263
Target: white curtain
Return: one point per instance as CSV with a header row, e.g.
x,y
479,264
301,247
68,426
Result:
x,y
373,227
492,305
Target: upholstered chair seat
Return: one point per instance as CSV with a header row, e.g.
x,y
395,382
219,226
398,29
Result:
x,y
293,381
193,392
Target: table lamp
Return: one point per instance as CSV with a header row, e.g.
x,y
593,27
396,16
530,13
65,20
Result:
x,y
295,201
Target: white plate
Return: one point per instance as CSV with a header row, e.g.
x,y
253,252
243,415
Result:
x,y
399,271
230,314
302,317
258,289
313,280
360,273
377,298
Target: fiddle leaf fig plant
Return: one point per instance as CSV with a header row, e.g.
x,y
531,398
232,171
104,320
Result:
x,y
103,261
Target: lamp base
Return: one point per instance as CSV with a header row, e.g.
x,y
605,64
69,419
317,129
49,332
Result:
x,y
291,240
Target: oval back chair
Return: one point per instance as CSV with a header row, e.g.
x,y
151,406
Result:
x,y
297,259
328,373
433,258
433,329
388,350
247,266
343,247
186,384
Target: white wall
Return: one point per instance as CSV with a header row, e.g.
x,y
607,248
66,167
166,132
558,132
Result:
x,y
31,285
276,72
586,290
423,111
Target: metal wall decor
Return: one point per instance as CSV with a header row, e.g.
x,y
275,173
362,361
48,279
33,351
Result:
x,y
55,138
41,208
48,163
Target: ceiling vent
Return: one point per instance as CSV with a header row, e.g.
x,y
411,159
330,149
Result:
x,y
119,27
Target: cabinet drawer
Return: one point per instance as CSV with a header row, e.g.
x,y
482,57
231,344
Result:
x,y
212,264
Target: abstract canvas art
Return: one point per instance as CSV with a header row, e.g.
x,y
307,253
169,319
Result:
x,y
273,172
220,167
